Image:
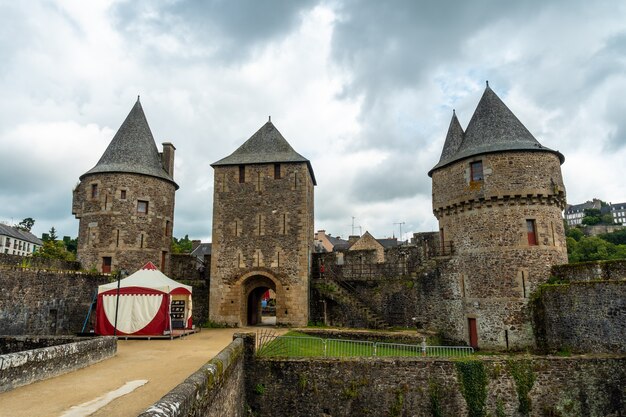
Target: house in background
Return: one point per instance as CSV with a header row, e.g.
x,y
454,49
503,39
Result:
x,y
574,213
14,241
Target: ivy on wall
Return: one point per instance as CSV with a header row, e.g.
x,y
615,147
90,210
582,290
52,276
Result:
x,y
473,379
522,373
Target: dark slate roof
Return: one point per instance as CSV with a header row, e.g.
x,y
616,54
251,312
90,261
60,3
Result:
x,y
201,250
493,128
266,146
578,208
132,149
453,139
16,233
388,242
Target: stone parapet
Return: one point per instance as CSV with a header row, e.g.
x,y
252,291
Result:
x,y
28,366
216,389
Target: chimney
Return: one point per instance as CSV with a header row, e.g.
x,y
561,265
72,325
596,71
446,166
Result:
x,y
167,158
352,239
320,234
195,244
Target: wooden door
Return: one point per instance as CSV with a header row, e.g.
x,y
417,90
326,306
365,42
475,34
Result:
x,y
473,332
106,265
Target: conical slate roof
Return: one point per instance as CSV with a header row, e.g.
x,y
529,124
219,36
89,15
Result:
x,y
266,146
132,149
493,128
453,138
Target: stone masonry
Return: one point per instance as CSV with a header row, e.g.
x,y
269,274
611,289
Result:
x,y
111,226
498,195
262,231
125,204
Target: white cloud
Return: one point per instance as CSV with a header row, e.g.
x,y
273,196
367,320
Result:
x,y
363,90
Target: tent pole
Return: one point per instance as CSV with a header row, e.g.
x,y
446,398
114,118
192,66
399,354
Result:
x,y
117,302
120,274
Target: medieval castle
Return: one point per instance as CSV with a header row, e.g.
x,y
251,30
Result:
x,y
497,193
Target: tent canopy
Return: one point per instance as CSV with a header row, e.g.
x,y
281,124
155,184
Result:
x,y
148,303
148,277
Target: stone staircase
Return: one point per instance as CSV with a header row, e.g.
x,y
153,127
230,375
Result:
x,y
336,292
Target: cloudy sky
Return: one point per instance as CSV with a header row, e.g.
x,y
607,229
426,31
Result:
x,y
364,89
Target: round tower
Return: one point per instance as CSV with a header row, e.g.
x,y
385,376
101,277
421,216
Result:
x,y
125,203
498,195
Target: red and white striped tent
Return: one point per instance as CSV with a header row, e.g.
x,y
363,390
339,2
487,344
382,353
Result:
x,y
150,304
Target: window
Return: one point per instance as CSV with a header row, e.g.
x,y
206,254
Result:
x,y
532,234
242,174
122,194
94,190
142,206
276,171
476,169
167,227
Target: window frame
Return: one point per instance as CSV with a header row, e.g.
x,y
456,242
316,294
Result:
x,y
140,203
476,174
531,232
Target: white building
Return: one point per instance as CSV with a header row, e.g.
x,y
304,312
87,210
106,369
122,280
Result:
x,y
14,241
618,211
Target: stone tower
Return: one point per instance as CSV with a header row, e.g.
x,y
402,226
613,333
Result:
x,y
498,195
262,231
125,203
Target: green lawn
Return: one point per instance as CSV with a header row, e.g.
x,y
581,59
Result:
x,y
295,344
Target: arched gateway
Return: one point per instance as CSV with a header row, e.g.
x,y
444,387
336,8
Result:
x,y
262,231
254,288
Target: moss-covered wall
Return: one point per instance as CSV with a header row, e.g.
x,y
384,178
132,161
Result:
x,y
493,386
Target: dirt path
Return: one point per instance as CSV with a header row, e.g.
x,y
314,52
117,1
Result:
x,y
163,363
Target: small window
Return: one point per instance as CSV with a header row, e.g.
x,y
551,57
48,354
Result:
x,y
242,174
167,227
94,190
476,169
122,194
142,207
276,171
532,234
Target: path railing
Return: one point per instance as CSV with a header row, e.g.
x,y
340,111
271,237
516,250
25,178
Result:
x,y
296,346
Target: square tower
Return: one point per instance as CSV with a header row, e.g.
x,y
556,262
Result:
x,y
262,231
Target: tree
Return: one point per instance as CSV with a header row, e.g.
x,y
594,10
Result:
x,y
183,245
26,224
617,238
52,234
54,250
575,233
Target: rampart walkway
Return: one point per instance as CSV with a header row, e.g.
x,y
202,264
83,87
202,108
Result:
x,y
164,363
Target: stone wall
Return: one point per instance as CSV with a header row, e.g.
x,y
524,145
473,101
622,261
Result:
x,y
590,271
495,267
217,389
25,367
199,300
45,302
186,267
36,262
496,386
413,288
12,344
111,226
581,316
262,238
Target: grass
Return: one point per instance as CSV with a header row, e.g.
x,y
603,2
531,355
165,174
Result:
x,y
296,344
